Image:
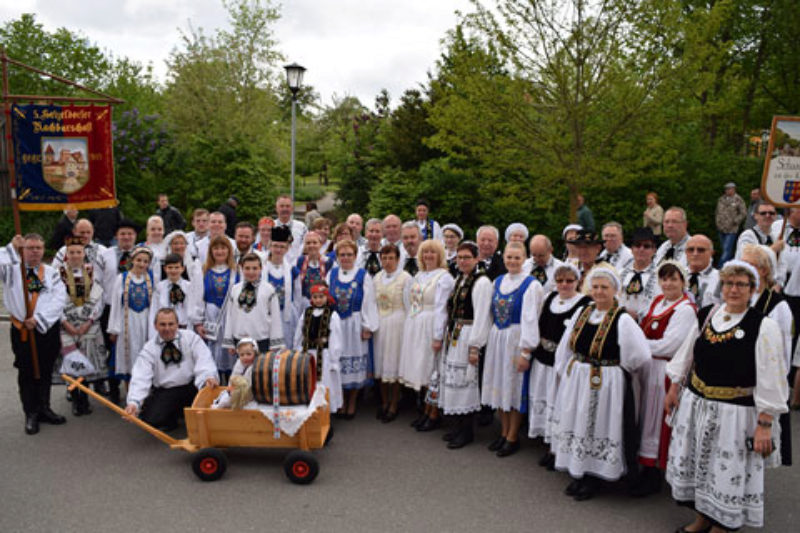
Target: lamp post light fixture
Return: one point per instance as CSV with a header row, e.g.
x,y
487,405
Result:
x,y
294,78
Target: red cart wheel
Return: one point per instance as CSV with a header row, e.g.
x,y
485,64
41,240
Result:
x,y
209,464
301,467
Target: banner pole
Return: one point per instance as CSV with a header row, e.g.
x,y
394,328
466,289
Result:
x,y
12,178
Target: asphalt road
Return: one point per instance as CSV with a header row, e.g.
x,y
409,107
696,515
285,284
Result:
x,y
99,473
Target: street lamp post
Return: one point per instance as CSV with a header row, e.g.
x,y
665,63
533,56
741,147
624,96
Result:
x,y
294,78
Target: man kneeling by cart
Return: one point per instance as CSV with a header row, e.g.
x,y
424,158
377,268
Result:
x,y
169,370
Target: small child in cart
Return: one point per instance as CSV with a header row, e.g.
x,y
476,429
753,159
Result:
x,y
239,392
319,333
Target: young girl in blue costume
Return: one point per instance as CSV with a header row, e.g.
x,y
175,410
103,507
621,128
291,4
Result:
x,y
128,323
219,275
310,269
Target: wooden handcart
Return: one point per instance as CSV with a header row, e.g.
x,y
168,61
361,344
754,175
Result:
x,y
210,431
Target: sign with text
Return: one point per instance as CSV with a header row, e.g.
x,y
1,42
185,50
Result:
x,y
63,156
780,184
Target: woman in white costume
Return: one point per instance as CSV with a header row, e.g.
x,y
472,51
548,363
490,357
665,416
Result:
x,y
670,317
391,283
557,310
600,349
516,301
725,428
424,328
354,297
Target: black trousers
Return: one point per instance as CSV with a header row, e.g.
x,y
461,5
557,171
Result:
x,y
35,393
163,406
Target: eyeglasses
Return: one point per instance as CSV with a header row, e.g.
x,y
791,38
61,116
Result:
x,y
737,284
767,213
646,246
464,257
696,249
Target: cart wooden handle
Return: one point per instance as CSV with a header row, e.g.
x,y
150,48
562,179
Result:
x,y
160,435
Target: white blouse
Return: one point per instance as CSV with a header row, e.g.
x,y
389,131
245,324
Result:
x,y
531,304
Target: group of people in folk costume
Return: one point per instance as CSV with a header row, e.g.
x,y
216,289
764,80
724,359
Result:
x,y
590,353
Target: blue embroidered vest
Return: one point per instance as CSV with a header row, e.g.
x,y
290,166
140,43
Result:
x,y
277,284
138,296
348,295
215,286
507,308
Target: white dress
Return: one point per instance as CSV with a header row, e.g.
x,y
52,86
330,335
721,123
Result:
x,y
542,386
515,326
280,277
709,463
354,356
682,323
588,423
460,390
77,313
209,310
427,299
392,310
130,323
331,369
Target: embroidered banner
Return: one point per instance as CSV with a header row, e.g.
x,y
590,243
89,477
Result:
x,y
63,155
780,184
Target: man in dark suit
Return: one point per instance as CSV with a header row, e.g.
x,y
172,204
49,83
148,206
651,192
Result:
x,y
491,258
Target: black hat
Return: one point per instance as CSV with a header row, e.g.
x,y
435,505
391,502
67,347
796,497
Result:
x,y
128,223
280,234
643,235
586,237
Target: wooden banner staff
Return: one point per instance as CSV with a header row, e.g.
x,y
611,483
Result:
x,y
7,99
12,175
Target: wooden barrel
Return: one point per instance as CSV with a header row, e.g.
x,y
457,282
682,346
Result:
x,y
297,377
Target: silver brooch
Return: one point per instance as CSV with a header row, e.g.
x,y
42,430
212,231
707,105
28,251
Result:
x,y
739,334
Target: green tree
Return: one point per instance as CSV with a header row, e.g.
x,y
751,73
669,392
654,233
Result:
x,y
222,107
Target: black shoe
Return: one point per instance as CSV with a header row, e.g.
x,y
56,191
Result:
x,y
460,440
48,416
509,448
76,408
113,393
430,424
450,435
421,419
31,424
497,444
86,409
586,490
548,461
389,416
380,412
573,488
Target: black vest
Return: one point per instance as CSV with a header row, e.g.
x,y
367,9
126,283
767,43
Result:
x,y
768,300
610,351
459,305
552,326
725,360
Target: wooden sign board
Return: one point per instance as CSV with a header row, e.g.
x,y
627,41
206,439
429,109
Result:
x,y
780,183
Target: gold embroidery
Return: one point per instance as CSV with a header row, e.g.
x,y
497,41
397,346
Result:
x,y
720,393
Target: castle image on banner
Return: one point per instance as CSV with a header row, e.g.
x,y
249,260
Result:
x,y
65,166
